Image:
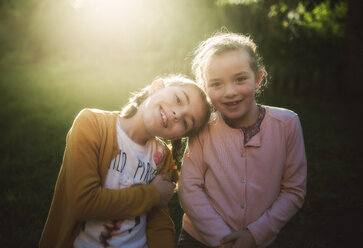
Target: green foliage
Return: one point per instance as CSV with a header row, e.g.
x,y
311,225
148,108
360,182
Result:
x,y
302,42
233,2
323,18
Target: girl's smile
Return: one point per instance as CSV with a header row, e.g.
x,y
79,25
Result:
x,y
164,118
233,105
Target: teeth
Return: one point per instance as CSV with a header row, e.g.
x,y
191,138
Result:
x,y
163,117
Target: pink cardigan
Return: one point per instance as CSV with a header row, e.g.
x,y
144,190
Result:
x,y
226,186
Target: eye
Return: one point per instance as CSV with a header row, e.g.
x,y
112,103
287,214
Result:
x,y
240,79
185,124
214,84
178,100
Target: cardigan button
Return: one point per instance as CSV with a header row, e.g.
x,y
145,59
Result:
x,y
242,154
243,180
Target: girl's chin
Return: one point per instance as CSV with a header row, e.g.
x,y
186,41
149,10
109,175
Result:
x,y
233,118
233,115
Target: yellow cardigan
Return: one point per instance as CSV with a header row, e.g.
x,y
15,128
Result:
x,y
91,144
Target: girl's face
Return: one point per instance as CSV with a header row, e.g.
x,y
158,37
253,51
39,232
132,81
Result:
x,y
230,84
173,111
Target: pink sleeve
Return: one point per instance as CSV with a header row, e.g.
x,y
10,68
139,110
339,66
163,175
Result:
x,y
193,199
293,188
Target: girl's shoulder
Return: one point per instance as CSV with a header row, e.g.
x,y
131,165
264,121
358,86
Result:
x,y
89,112
281,114
216,127
93,115
94,119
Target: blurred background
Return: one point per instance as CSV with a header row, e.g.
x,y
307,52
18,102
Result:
x,y
59,56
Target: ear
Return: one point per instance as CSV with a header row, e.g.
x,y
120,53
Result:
x,y
156,85
258,79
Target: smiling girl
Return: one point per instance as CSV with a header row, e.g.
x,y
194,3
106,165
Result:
x,y
117,177
244,175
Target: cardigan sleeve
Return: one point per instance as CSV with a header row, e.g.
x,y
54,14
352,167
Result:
x,y
193,198
86,197
293,188
160,230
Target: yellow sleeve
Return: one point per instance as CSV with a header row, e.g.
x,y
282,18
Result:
x,y
160,229
85,149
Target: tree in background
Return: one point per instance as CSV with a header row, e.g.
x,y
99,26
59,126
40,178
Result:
x,y
311,48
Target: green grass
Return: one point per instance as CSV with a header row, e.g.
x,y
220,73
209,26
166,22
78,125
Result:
x,y
40,101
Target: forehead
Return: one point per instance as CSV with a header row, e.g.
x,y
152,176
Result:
x,y
227,62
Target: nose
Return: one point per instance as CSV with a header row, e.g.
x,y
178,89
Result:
x,y
178,114
229,90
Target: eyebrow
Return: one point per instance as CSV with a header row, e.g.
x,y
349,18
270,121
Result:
x,y
188,100
241,73
186,96
213,80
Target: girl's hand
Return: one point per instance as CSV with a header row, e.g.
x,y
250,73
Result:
x,y
165,189
240,239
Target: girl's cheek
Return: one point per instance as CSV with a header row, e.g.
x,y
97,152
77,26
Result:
x,y
250,90
212,93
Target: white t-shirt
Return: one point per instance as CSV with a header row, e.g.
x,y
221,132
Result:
x,y
134,164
